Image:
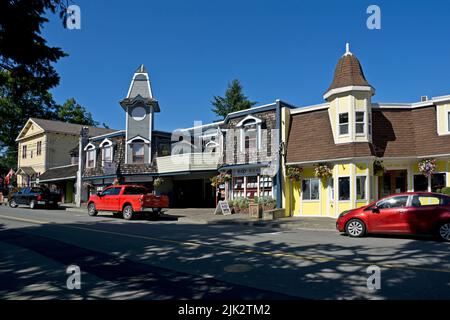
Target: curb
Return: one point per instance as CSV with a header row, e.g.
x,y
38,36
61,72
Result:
x,y
269,224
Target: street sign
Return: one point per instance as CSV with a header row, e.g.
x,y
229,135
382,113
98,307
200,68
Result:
x,y
223,208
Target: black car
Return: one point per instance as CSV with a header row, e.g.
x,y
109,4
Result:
x,y
34,197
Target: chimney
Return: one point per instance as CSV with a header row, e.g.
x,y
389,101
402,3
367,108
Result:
x,y
423,98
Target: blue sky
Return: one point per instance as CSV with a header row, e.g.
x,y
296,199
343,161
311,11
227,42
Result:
x,y
278,49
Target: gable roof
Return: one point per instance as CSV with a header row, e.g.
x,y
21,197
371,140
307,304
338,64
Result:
x,y
62,127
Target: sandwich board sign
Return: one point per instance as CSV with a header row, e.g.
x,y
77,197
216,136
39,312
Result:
x,y
223,208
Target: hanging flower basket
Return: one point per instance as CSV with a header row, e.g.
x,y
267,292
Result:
x,y
158,182
294,173
427,167
378,168
322,170
220,179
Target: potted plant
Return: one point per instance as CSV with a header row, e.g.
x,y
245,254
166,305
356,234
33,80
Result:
x,y
322,170
427,167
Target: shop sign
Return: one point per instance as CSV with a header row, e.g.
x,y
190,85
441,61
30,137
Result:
x,y
245,172
223,208
138,179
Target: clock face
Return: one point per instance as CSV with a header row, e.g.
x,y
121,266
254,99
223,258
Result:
x,y
138,113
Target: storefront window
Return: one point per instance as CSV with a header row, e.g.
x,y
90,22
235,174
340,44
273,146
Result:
x,y
344,188
265,186
310,189
361,188
438,181
252,187
238,187
420,183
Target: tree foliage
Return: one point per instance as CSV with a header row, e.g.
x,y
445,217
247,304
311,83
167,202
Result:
x,y
234,100
72,112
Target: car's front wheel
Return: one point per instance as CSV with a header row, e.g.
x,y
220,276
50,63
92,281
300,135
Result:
x,y
355,228
444,231
127,212
92,211
13,203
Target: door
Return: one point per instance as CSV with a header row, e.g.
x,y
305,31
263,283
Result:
x,y
103,199
113,199
424,212
391,215
393,182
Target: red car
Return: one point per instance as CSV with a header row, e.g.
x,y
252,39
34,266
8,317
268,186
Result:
x,y
126,200
406,213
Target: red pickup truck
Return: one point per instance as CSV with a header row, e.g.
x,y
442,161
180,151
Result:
x,y
126,200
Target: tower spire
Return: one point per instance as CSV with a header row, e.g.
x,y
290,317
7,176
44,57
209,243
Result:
x,y
347,49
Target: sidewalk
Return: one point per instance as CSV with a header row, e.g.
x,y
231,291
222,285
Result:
x,y
207,216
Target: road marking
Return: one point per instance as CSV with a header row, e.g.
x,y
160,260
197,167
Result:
x,y
240,250
23,220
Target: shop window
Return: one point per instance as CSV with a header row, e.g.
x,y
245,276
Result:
x,y
265,186
438,181
420,183
238,187
344,188
252,186
310,189
343,123
359,122
361,188
137,150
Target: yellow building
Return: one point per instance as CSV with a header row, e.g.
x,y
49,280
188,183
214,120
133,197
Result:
x,y
46,145
364,150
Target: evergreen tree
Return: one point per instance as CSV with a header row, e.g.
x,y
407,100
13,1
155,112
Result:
x,y
73,112
234,100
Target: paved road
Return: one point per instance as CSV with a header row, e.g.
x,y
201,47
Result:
x,y
168,259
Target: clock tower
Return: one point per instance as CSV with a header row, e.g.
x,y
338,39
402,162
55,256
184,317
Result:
x,y
139,107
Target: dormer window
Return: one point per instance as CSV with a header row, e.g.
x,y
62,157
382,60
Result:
x,y
250,134
448,121
137,149
107,151
90,155
359,122
343,123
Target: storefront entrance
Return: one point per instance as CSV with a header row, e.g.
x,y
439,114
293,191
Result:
x,y
392,182
196,193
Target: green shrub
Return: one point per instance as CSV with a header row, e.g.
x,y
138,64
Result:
x,y
445,190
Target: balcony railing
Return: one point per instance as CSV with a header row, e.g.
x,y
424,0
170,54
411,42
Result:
x,y
187,162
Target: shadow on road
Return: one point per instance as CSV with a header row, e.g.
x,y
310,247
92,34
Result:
x,y
176,261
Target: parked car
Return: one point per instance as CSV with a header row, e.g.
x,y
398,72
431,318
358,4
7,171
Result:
x,y
34,197
127,200
407,213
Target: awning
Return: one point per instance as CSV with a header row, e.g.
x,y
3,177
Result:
x,y
59,174
28,171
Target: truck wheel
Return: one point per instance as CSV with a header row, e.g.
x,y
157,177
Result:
x,y
32,204
156,211
91,210
127,212
13,203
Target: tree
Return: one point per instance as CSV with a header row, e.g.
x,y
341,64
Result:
x,y
234,100
73,112
26,71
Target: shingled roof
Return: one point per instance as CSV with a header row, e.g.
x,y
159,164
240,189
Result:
x,y
69,128
348,72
